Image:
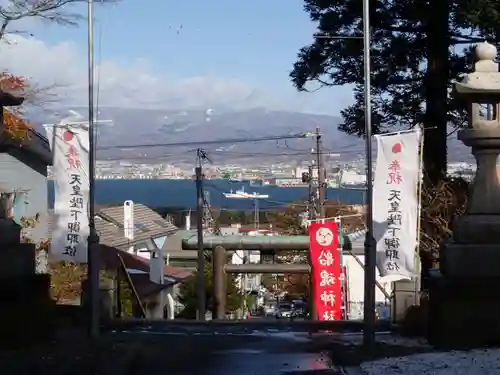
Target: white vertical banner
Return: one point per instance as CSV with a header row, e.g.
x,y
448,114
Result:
x,y
70,152
395,202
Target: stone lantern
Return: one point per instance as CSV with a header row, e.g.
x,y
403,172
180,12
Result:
x,y
464,299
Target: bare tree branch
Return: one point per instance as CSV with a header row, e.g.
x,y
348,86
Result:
x,y
54,11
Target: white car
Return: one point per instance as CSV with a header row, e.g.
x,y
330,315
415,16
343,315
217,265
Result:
x,y
284,313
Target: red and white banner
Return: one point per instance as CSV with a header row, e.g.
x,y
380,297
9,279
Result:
x,y
395,203
70,152
326,270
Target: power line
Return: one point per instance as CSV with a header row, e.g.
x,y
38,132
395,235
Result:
x,y
214,142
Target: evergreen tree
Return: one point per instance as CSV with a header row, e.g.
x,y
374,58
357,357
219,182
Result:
x,y
418,48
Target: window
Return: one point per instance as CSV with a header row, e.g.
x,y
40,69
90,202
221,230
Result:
x,y
142,249
19,203
141,227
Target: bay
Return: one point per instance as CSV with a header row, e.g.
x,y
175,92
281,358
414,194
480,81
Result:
x,y
182,194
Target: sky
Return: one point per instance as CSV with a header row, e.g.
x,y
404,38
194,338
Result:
x,y
176,54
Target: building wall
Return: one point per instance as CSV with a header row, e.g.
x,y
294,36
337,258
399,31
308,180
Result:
x,y
252,281
160,241
356,278
17,176
144,251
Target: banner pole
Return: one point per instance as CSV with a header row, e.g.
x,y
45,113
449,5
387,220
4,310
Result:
x,y
93,239
418,263
370,247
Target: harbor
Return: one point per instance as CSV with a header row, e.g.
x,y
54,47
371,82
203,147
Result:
x,y
180,194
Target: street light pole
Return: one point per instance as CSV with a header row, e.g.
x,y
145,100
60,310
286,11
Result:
x,y
370,247
93,240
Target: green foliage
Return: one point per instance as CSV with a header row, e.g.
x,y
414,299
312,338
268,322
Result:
x,y
234,217
416,52
287,220
126,298
188,294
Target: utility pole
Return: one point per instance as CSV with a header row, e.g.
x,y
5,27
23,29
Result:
x,y
321,176
199,226
311,209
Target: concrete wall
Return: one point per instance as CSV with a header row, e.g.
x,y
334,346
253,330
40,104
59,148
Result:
x,y
17,176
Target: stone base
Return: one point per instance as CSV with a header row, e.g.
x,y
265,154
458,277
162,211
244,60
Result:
x,y
477,229
11,232
18,260
27,310
459,260
464,313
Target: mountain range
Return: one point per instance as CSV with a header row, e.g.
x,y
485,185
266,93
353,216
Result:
x,y
163,130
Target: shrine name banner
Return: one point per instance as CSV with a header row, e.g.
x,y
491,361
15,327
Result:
x,y
326,270
70,152
395,203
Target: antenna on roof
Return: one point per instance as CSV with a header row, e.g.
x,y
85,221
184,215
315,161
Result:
x,y
128,222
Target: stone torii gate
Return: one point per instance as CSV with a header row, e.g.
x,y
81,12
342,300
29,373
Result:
x,y
219,245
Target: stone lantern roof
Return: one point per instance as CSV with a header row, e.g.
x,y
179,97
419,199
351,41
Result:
x,y
485,79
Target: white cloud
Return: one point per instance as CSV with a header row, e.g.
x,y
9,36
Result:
x,y
135,85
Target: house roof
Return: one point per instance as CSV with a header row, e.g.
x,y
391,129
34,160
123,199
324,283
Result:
x,y
34,143
148,223
109,225
174,241
144,286
110,231
110,258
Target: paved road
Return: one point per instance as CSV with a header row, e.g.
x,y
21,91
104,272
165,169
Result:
x,y
233,351
180,348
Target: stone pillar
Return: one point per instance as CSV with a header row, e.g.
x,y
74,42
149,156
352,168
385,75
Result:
x,y
219,282
106,298
464,304
22,291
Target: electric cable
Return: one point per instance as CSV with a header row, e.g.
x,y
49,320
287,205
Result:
x,y
213,142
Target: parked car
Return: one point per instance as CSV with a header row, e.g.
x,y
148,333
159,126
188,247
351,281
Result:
x,y
285,311
269,310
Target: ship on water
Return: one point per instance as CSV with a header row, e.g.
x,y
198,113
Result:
x,y
242,194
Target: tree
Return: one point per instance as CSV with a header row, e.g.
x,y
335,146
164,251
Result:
x,y
416,53
297,286
189,294
12,11
352,219
66,277
54,11
14,124
287,220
